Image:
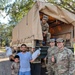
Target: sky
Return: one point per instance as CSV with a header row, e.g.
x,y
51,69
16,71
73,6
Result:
x,y
7,18
3,18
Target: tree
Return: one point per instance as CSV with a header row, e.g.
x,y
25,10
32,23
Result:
x,y
2,33
18,10
67,4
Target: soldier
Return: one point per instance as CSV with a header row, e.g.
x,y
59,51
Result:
x,y
64,59
51,53
45,28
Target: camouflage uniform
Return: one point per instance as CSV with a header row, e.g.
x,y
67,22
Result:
x,y
64,61
15,68
50,67
45,28
51,52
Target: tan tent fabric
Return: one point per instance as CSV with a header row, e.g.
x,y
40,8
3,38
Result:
x,y
29,28
57,12
15,34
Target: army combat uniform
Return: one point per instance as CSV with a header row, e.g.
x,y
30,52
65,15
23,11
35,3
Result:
x,y
64,61
15,68
45,28
50,66
51,52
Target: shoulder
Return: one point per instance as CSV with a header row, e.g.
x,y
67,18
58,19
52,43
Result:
x,y
47,24
69,51
7,48
55,47
29,53
49,48
19,53
13,63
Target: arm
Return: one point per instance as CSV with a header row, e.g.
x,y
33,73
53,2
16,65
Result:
x,y
47,28
33,59
71,63
12,66
35,55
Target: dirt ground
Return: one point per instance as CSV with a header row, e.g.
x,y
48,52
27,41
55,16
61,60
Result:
x,y
4,64
5,68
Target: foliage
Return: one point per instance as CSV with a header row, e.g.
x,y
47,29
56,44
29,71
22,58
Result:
x,y
18,10
67,4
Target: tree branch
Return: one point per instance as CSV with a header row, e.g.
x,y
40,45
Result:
x,y
69,10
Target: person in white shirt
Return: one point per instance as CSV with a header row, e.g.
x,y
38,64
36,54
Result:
x,y
8,51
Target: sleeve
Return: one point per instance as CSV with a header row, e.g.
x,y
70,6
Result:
x,y
12,66
47,27
48,52
71,63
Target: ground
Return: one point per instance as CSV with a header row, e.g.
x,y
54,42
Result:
x,y
4,64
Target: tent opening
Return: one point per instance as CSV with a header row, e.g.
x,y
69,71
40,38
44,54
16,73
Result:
x,y
59,29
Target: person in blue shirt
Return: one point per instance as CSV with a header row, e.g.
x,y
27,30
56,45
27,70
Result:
x,y
25,59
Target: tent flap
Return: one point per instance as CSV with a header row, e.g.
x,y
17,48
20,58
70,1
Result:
x,y
29,28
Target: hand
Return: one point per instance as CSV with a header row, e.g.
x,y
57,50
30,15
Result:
x,y
39,48
53,59
45,32
45,59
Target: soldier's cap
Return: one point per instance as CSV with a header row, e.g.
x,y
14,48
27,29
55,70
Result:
x,y
52,40
60,40
45,17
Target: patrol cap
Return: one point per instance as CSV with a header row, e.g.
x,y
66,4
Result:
x,y
60,40
52,40
45,17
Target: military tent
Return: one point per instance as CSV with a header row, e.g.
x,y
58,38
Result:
x,y
29,28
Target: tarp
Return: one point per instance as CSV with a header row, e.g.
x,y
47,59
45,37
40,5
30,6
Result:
x,y
29,28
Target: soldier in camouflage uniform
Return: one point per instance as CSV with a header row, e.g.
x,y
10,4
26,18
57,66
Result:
x,y
51,53
45,28
65,65
15,66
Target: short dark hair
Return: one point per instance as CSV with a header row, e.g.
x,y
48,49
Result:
x,y
24,45
16,56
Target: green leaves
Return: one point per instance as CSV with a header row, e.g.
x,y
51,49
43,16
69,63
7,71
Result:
x,y
67,4
19,9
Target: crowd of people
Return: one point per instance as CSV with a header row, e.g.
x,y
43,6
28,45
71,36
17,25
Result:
x,y
60,60
22,59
